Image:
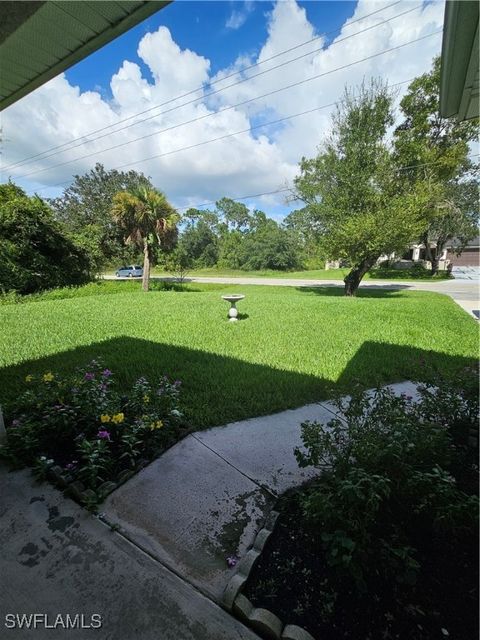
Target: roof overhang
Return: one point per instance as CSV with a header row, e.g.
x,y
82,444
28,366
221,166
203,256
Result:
x,y
39,40
459,82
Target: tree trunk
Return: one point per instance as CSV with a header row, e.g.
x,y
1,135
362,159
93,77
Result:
x,y
353,279
146,266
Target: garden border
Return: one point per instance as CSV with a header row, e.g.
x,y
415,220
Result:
x,y
261,620
77,490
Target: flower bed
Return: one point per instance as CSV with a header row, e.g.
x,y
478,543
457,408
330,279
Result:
x,y
384,544
82,434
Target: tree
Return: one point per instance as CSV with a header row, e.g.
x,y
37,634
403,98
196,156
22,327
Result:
x,y
435,149
268,246
178,262
35,252
306,235
200,237
350,188
84,209
147,219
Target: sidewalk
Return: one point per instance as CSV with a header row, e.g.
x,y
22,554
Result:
x,y
206,498
56,558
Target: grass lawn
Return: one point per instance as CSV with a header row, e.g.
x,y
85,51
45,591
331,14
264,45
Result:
x,y
292,346
317,274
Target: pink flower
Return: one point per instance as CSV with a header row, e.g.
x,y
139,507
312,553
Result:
x,y
231,561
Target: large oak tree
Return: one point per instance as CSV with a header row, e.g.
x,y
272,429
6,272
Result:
x,y
351,187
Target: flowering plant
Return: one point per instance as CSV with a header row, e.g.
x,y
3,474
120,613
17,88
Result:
x,y
82,424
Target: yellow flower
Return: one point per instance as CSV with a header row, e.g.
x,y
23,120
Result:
x,y
146,399
118,417
104,417
28,378
158,424
48,377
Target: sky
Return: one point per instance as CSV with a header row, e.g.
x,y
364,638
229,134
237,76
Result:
x,y
214,141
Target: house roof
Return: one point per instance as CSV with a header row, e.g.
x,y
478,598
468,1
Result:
x,y
39,40
459,82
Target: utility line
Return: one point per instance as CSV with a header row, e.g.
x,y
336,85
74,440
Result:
x,y
25,160
268,193
285,88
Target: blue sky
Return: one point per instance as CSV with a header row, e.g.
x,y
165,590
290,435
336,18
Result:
x,y
201,26
188,45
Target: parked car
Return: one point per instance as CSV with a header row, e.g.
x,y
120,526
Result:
x,y
132,271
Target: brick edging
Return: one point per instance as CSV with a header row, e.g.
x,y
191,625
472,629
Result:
x,y
261,620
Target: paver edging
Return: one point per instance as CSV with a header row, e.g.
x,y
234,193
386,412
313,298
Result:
x,y
261,620
77,490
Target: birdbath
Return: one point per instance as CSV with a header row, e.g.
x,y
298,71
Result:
x,y
233,299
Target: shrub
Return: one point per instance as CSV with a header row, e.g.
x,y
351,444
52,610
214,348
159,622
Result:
x,y
399,475
83,425
35,252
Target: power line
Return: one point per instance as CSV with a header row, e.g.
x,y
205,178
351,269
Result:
x,y
25,160
275,91
256,127
255,195
185,104
268,193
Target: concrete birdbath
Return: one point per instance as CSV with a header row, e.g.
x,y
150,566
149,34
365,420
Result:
x,y
233,299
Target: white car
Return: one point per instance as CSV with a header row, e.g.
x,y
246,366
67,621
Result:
x,y
132,271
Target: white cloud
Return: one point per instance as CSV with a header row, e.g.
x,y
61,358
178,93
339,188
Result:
x,y
255,162
238,17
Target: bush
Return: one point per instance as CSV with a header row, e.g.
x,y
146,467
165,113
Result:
x,y
83,425
398,475
35,253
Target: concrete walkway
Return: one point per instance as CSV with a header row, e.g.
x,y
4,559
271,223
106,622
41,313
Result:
x,y
56,558
205,498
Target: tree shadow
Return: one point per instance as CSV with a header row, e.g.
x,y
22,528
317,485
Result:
x,y
368,291
217,389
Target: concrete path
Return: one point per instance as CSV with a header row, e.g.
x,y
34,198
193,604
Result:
x,y
206,498
56,558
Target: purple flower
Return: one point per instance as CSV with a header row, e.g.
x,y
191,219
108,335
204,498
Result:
x,y
106,373
89,376
231,561
15,423
177,383
71,465
104,434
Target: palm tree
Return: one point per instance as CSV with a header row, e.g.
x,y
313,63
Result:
x,y
147,218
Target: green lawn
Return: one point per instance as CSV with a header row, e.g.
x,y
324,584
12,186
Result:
x,y
317,274
292,345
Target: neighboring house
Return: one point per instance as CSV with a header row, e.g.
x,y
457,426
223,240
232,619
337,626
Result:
x,y
470,256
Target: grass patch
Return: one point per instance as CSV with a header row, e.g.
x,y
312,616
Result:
x,y
316,274
293,345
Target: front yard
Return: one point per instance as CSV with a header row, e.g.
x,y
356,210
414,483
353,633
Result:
x,y
291,346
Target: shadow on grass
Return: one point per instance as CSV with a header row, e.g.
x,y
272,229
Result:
x,y
218,389
370,291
